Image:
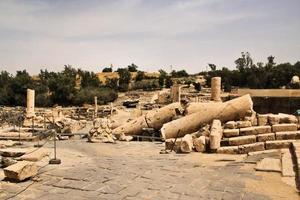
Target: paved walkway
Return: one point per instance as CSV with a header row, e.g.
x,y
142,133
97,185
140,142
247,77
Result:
x,y
136,170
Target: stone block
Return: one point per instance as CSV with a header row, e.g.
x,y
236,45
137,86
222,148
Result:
x,y
273,119
35,156
230,125
287,135
13,152
21,171
199,144
216,133
284,127
243,124
266,137
231,132
235,141
248,131
262,120
263,129
278,144
258,146
228,150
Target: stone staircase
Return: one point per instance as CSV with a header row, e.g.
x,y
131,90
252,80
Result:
x,y
242,140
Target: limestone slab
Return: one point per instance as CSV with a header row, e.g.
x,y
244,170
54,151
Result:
x,y
235,141
231,132
21,170
287,135
258,146
13,152
228,150
35,156
266,137
284,127
287,164
278,144
269,165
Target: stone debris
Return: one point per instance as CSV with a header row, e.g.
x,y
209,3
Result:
x,y
21,171
101,131
186,145
200,144
269,165
68,125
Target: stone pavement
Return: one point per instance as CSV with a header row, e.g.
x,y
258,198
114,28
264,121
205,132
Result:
x,y
136,170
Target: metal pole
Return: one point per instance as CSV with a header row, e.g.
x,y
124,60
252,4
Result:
x,y
54,160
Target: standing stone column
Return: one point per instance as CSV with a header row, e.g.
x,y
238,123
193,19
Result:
x,y
30,103
96,106
175,93
216,89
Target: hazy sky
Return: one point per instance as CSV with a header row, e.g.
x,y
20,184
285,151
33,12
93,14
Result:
x,y
153,34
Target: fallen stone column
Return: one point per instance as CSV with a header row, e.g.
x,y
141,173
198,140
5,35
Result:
x,y
200,144
153,119
230,110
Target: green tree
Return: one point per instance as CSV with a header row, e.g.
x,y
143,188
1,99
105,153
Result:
x,y
162,77
132,67
124,79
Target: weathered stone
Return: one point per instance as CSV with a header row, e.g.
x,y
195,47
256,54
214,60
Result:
x,y
35,156
273,119
278,144
13,152
235,141
255,130
231,132
7,143
216,88
258,146
170,143
287,135
228,150
269,165
243,124
271,151
229,110
30,103
186,144
262,129
230,125
215,134
284,127
266,137
21,170
7,161
287,164
248,131
199,144
262,120
285,118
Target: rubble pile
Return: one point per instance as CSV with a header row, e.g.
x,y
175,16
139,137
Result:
x,y
68,125
102,132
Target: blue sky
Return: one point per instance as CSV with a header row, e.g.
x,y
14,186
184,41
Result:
x,y
153,34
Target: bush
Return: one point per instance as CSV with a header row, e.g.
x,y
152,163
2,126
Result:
x,y
103,94
147,84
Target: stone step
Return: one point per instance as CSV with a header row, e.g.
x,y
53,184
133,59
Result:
x,y
284,127
279,144
242,149
287,135
254,130
240,140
